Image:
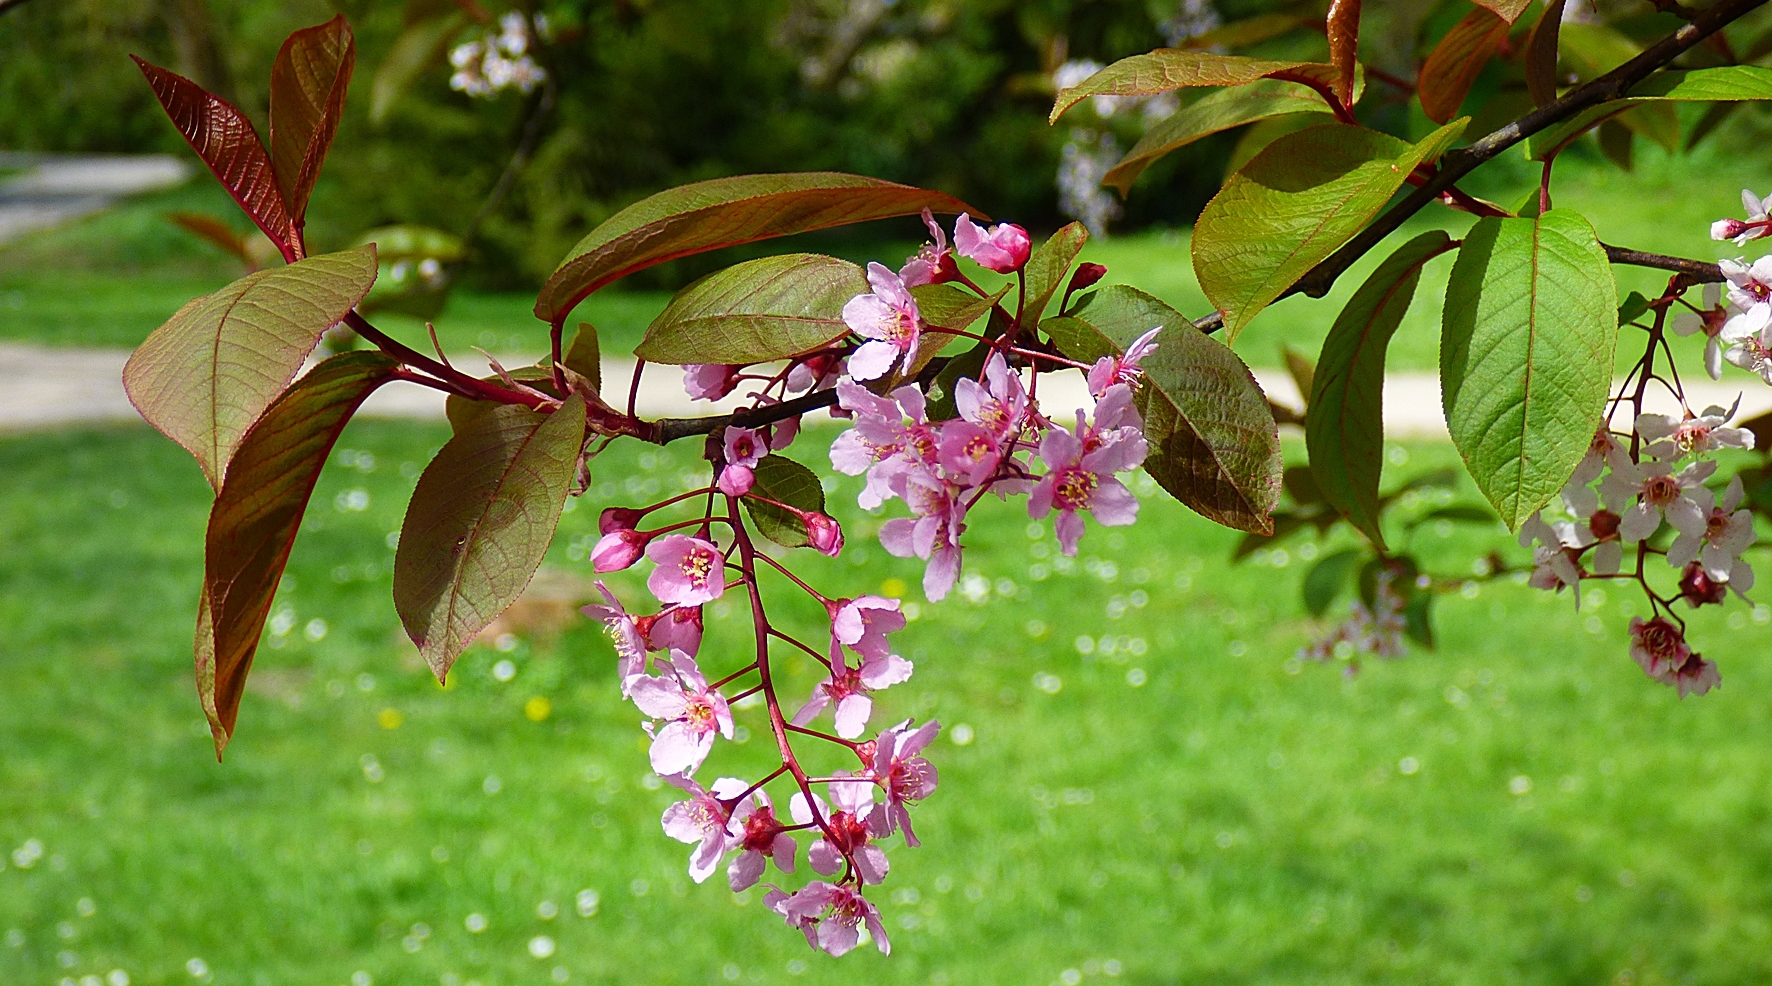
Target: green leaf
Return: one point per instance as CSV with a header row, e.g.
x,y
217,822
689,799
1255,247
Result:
x,y
725,212
1728,83
1526,354
1327,578
256,515
1293,205
480,520
308,83
584,357
782,479
1214,445
1454,64
1216,112
1590,50
205,376
1046,269
946,306
1168,69
1633,307
1255,139
760,310
1345,429
1459,512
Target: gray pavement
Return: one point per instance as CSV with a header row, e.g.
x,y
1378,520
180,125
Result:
x,y
58,188
43,387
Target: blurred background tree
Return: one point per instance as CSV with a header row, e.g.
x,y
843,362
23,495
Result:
x,y
640,95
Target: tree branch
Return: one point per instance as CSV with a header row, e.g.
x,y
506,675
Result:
x,y
1456,164
1697,271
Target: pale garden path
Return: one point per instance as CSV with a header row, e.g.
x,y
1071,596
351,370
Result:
x,y
42,387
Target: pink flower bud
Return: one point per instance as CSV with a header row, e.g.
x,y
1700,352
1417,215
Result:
x,y
619,519
1086,276
736,480
618,550
1697,588
1004,248
826,534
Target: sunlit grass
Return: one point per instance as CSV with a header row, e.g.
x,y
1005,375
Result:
x,y
1137,776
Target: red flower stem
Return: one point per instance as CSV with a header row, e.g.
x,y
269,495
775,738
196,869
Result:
x,y
660,505
773,632
747,693
634,386
791,576
741,672
778,723
747,792
1019,351
823,736
682,524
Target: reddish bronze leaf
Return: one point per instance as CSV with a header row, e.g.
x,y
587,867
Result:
x,y
1507,10
210,228
1343,27
725,212
254,520
308,83
1452,67
1541,54
226,142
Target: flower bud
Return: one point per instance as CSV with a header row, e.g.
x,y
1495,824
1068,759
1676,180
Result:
x,y
619,519
1086,276
1697,587
1604,525
618,550
1727,229
826,534
736,480
1003,248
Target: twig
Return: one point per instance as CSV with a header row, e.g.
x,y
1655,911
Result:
x,y
1456,164
1697,271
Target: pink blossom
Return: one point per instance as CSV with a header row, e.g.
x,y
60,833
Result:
x,y
848,827
888,319
1004,248
932,263
1710,321
744,447
761,837
881,444
969,453
1727,532
998,404
702,819
709,381
1670,439
863,623
849,688
815,372
1110,370
1695,676
676,628
1078,481
692,711
1657,645
618,550
1658,492
736,480
630,644
825,533
906,777
829,915
690,571
933,534
1599,452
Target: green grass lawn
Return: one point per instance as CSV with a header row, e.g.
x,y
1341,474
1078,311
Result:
x,y
111,279
1522,806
